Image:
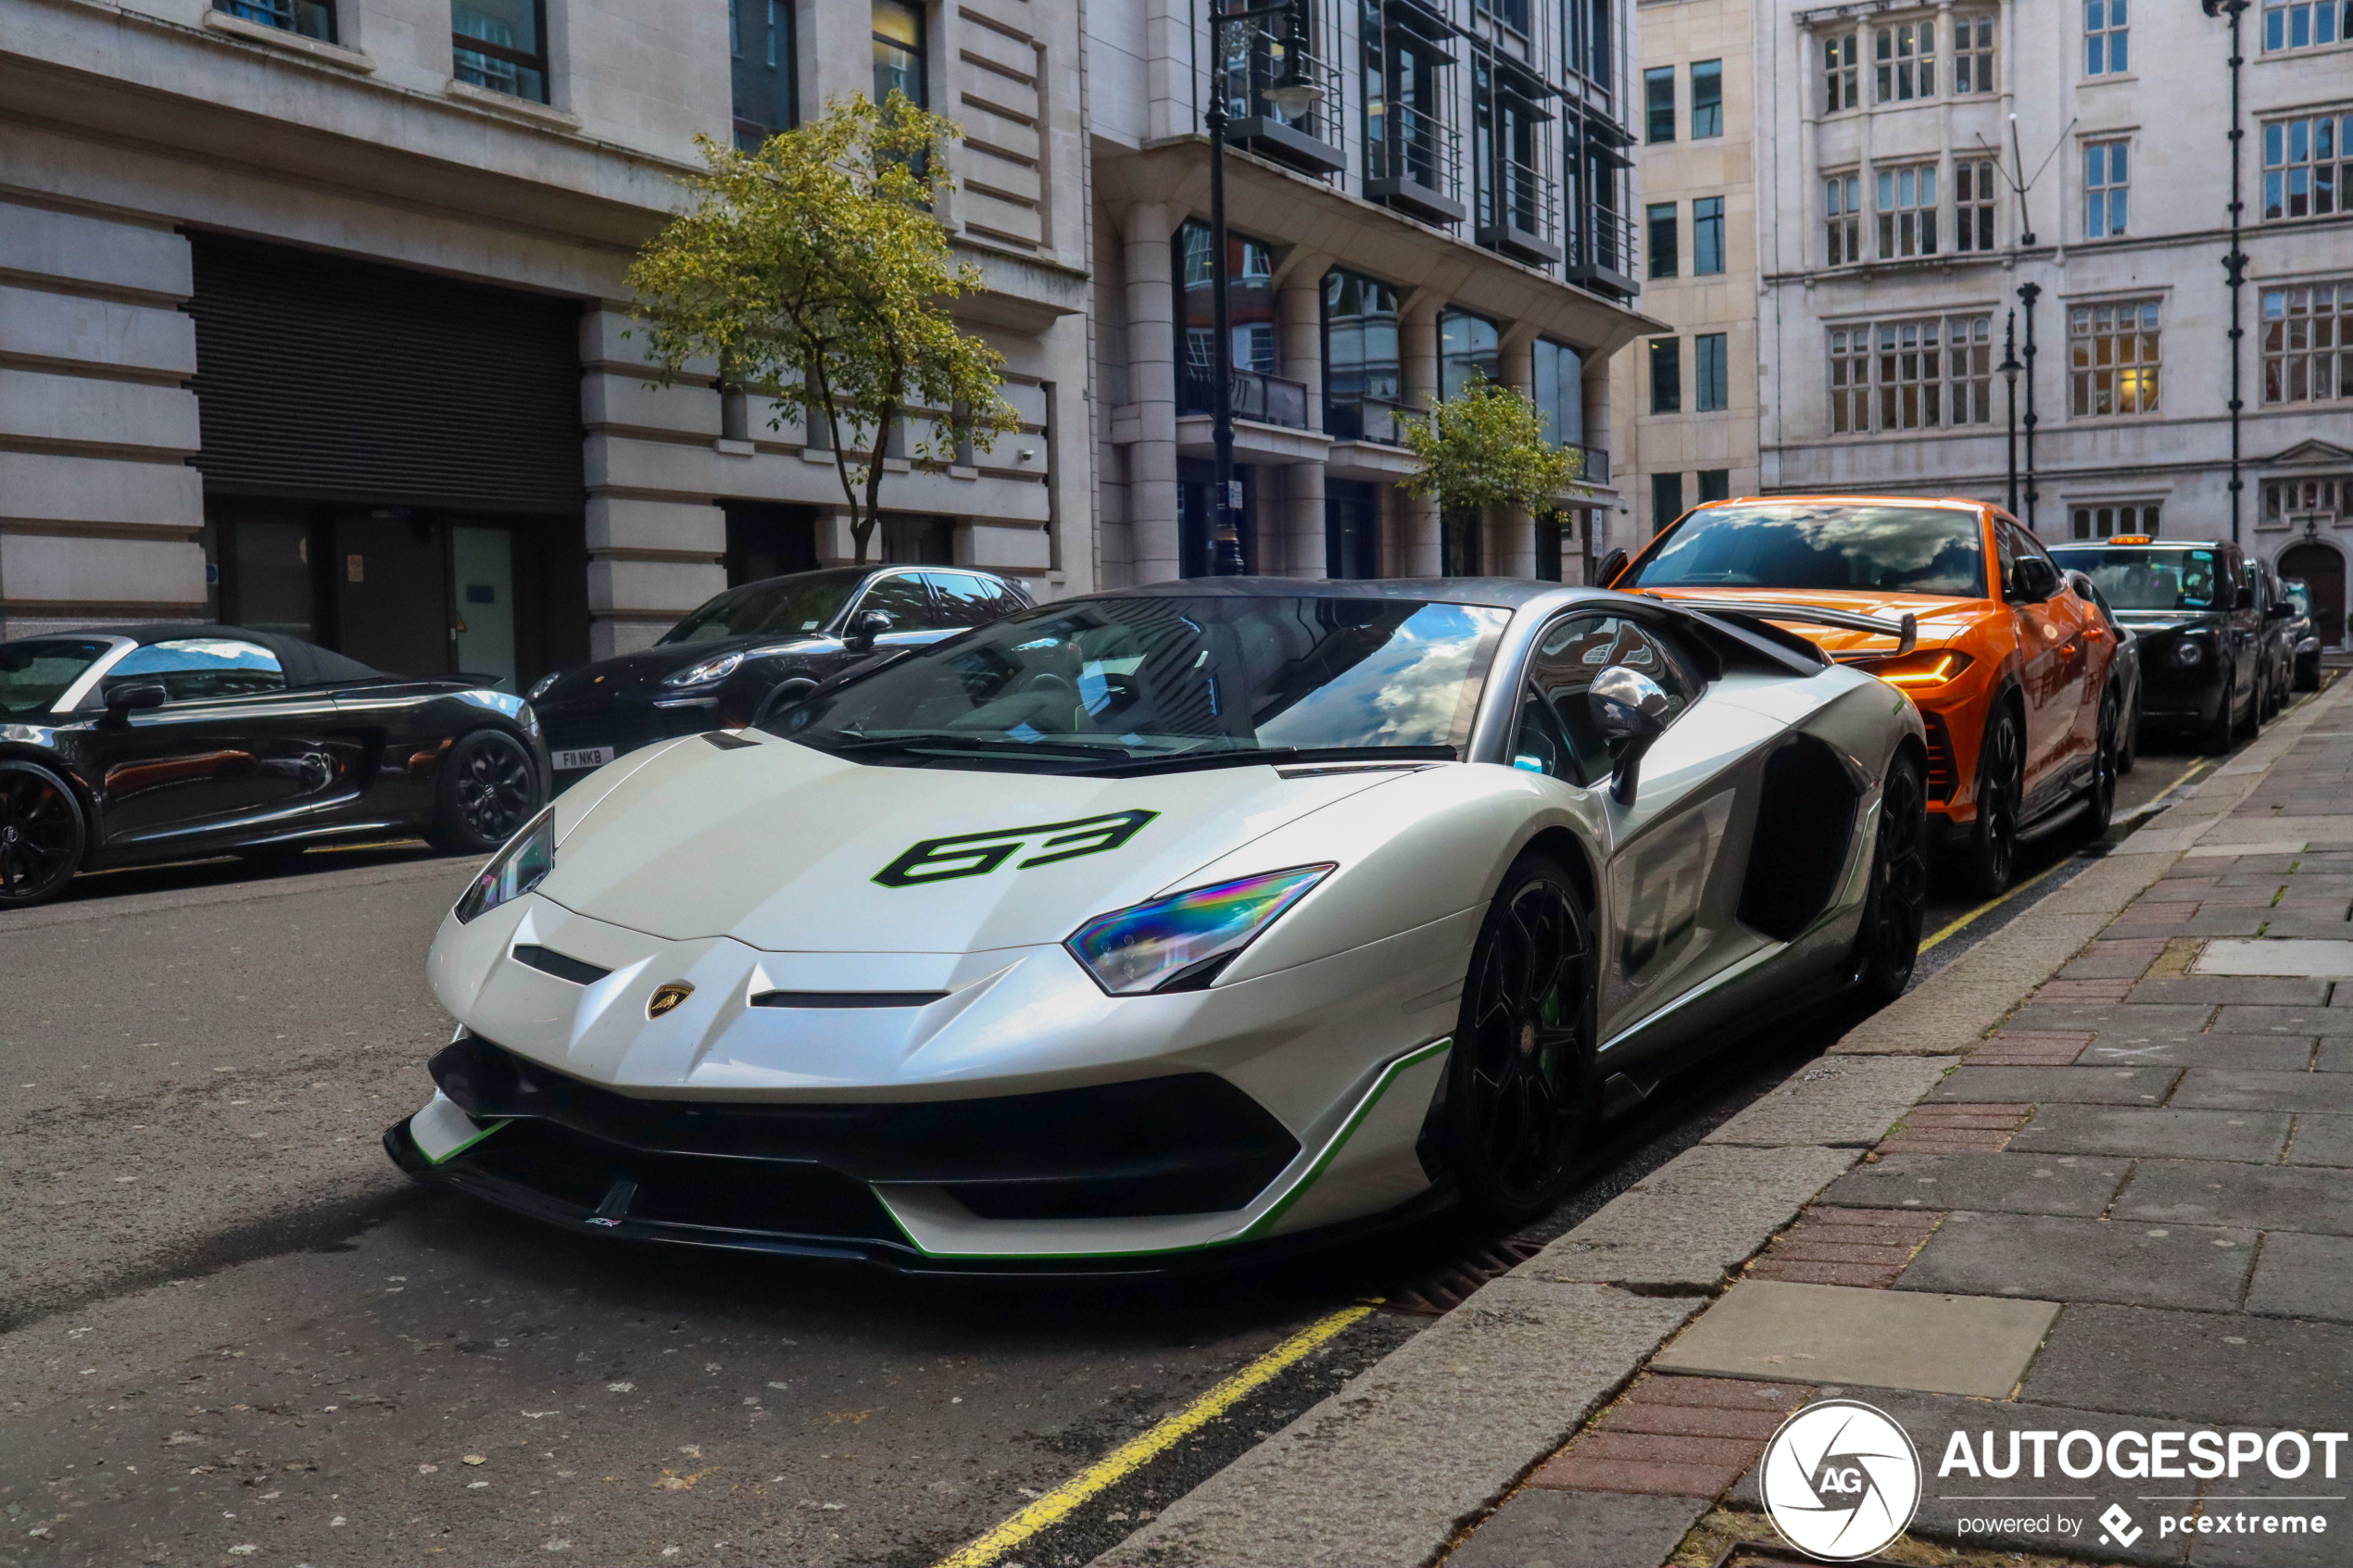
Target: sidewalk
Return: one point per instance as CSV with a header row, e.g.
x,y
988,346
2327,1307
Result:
x,y
2094,1177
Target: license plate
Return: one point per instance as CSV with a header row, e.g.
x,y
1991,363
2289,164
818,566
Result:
x,y
586,757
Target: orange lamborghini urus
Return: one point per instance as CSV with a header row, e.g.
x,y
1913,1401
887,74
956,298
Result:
x,y
2007,665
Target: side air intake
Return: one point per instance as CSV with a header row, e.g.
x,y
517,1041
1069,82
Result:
x,y
1805,817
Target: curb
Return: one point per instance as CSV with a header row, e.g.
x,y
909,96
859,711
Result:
x,y
1388,1471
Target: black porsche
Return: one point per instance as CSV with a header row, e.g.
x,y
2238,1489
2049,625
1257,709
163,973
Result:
x,y
746,652
141,744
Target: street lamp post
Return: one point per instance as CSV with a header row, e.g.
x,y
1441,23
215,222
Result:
x,y
1292,96
2235,261
2009,367
2028,293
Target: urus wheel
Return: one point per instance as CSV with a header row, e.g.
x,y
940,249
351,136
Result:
x,y
1889,943
2107,753
1991,849
1521,1096
489,789
42,834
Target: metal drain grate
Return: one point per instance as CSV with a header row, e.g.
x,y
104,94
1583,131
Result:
x,y
1446,1287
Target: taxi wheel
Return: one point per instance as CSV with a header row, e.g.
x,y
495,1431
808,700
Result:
x,y
1991,849
2107,756
2216,734
1888,945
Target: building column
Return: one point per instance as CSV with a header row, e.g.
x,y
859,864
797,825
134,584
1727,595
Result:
x,y
1600,520
1418,552
1300,323
1512,532
1151,383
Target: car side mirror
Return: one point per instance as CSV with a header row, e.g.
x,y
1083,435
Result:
x,y
1611,565
864,627
1630,711
2280,612
2246,599
122,701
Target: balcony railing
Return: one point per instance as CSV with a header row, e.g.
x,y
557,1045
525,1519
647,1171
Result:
x,y
1604,252
1259,59
1520,216
1257,395
1413,162
1366,419
1596,470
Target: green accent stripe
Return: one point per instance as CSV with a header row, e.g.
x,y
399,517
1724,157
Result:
x,y
461,1148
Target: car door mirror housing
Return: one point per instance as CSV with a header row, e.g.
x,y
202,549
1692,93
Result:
x,y
1611,565
124,700
864,627
1631,711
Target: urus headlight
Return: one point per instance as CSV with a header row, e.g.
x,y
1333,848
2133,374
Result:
x,y
710,670
1922,672
539,687
1181,942
522,865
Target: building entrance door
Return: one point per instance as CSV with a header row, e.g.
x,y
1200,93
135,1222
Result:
x,y
2324,571
392,592
481,592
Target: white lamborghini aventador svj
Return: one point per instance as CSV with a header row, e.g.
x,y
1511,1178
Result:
x,y
1170,921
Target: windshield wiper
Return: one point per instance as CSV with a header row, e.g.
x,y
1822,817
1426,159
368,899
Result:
x,y
949,740
1267,757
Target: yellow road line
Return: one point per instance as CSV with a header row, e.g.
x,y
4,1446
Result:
x,y
2203,762
1133,1455
1994,903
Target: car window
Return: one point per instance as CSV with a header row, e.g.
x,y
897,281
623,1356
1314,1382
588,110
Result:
x,y
804,603
965,600
198,669
1569,654
901,597
36,672
2156,578
1830,544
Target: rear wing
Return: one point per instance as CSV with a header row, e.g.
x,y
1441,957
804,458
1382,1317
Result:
x,y
1905,629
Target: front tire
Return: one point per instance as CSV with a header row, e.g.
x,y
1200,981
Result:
x,y
2106,766
1990,851
489,789
1888,945
43,834
1522,1091
2215,737
2308,674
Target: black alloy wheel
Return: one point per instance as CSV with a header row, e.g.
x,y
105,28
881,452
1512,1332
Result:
x,y
489,789
1990,851
41,834
2216,736
2107,766
1888,945
2308,673
1521,1096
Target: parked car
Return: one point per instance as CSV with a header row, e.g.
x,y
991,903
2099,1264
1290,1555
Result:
x,y
756,647
2193,604
137,744
2306,634
2009,666
2124,669
1158,923
2273,609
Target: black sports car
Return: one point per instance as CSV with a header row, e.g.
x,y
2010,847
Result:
x,y
159,743
753,649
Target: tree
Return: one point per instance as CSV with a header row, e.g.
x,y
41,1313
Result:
x,y
814,271
1487,447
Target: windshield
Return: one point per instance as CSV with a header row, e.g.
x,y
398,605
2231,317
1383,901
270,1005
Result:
x,y
2299,596
805,602
2153,579
1823,545
35,673
1115,680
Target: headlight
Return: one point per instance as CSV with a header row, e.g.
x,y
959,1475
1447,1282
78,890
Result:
x,y
1919,671
2188,650
710,670
1181,942
539,687
522,865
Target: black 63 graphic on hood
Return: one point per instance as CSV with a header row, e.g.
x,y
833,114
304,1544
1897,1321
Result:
x,y
977,854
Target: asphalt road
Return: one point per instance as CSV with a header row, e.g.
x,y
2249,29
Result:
x,y
231,1332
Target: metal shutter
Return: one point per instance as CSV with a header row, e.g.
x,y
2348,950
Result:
x,y
339,380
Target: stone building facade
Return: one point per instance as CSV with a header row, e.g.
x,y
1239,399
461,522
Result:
x,y
312,313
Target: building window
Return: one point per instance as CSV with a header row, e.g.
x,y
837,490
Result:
x,y
899,51
1974,199
1711,372
2107,522
1707,235
2307,168
1351,528
1658,103
2307,357
1973,54
1666,375
2288,503
1905,57
1409,134
2106,38
2305,24
311,18
761,69
1932,373
1708,100
2112,358
1667,499
1659,219
1843,204
1560,391
501,44
1715,484
1908,211
1840,73
1250,306
2106,189
1359,355
1468,350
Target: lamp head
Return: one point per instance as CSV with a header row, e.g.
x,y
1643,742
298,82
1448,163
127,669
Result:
x,y
1294,97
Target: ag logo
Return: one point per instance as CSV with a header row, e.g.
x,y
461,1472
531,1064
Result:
x,y
1841,1480
667,997
977,854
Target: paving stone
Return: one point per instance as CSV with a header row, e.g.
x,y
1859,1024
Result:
x,y
1957,1142
1837,1100
2304,1277
1797,1270
2230,1089
2278,1021
2016,1183
2083,991
2114,960
2193,988
2287,923
1642,1476
1953,1345
1698,1420
2054,1258
2225,919
2212,1192
2323,959
2253,1136
2114,1018
2018,1048
1540,1527
1726,1393
2321,1140
1693,1221
2179,890
2336,1056
2270,1053
2083,1086
2212,1367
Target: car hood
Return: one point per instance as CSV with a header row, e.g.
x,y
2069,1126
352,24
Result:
x,y
637,674
1940,618
780,847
